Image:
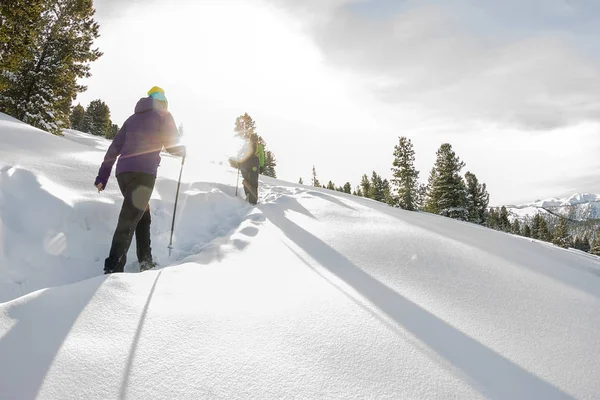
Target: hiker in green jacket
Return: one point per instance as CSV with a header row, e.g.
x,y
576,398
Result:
x,y
250,168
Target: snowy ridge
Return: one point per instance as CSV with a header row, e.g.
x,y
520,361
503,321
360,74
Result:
x,y
311,294
579,207
575,199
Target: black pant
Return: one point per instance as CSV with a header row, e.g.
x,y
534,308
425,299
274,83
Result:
x,y
136,188
249,171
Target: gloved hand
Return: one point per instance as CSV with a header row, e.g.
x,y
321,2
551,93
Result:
x,y
100,184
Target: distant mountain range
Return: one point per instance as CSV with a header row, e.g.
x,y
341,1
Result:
x,y
578,207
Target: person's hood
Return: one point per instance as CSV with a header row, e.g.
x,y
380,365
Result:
x,y
145,104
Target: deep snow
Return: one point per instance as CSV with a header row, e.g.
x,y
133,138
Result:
x,y
311,294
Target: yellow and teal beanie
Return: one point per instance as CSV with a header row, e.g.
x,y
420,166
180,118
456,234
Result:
x,y
157,93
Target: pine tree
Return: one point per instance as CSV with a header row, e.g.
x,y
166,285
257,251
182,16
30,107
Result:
x,y
543,232
527,231
365,186
112,131
330,186
447,192
376,188
86,124
77,115
99,117
300,181
40,88
578,242
493,220
388,196
347,187
405,175
359,192
421,197
270,164
535,226
339,189
585,244
477,199
315,180
504,221
595,247
516,227
245,127
561,234
20,26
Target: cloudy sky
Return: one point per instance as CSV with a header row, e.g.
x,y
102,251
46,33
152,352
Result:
x,y
514,86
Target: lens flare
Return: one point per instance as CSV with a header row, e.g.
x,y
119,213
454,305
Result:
x,y
217,147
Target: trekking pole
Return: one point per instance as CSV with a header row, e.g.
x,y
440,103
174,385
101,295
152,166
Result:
x,y
237,182
175,207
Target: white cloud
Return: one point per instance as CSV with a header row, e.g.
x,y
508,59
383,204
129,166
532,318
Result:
x,y
423,57
330,86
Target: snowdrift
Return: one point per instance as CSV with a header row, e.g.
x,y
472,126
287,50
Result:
x,y
311,294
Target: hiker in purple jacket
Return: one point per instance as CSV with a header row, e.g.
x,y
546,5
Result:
x,y
137,146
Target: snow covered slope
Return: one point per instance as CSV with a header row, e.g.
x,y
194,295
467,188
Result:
x,y
311,294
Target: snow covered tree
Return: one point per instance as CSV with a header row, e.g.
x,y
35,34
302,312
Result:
x,y
477,199
330,186
405,175
77,115
359,191
40,88
99,118
446,191
315,180
300,181
561,234
365,186
347,188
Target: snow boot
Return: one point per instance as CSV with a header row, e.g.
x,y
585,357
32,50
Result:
x,y
146,265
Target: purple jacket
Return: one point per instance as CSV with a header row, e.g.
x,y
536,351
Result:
x,y
140,140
